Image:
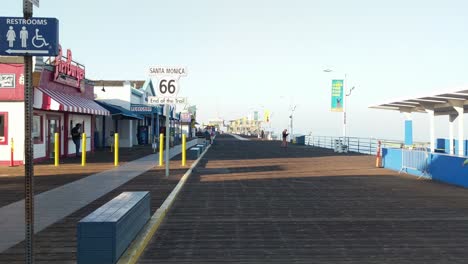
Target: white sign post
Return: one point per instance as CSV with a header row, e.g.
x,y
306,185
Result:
x,y
35,3
167,90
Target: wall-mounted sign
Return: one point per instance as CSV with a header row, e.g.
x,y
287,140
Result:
x,y
141,109
185,117
7,80
69,72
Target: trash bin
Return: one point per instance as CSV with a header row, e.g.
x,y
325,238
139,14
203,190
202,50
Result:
x,y
337,146
300,140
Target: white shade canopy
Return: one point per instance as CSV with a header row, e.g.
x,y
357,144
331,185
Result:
x,y
441,102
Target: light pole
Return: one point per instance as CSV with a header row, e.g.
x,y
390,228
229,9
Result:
x,y
344,102
291,117
344,111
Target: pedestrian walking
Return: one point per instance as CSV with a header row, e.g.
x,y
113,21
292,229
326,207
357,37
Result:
x,y
262,134
284,144
207,136
76,136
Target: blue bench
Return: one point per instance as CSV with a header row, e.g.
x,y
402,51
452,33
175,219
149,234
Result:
x,y
194,153
106,233
201,147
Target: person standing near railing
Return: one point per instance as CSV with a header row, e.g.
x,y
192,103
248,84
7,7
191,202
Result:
x,y
284,144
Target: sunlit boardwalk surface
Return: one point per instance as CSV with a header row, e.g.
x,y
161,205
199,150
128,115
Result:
x,y
252,202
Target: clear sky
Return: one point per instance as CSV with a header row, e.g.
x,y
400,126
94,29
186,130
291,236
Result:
x,y
248,55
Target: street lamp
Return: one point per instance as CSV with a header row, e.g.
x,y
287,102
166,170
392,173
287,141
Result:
x,y
291,116
344,102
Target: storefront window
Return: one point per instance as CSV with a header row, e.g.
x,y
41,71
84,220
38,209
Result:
x,y
38,129
3,128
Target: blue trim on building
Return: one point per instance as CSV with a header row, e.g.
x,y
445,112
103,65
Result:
x,y
120,112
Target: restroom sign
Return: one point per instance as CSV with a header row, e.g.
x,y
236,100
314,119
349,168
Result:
x,y
34,37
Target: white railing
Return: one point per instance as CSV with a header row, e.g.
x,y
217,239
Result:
x,y
358,144
414,159
354,144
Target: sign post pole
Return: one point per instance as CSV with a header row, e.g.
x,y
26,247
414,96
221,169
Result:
x,y
28,149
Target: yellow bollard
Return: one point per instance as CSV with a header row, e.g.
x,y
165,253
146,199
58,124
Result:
x,y
56,149
161,149
12,152
83,149
116,149
184,150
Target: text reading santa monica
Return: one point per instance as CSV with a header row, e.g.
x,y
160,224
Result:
x,y
175,71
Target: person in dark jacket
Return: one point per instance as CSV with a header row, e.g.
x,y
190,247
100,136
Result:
x,y
76,136
284,144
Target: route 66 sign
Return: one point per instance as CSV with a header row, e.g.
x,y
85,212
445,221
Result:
x,y
168,79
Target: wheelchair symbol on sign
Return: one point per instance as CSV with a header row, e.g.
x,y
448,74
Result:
x,y
38,40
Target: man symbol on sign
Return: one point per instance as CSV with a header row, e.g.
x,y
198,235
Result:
x,y
24,37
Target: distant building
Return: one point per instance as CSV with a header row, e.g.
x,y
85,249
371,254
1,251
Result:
x,y
218,123
244,126
63,97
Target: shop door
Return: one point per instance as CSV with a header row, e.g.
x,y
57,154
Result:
x,y
53,126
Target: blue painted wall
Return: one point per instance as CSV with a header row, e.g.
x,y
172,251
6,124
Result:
x,y
391,158
441,167
448,169
408,132
443,143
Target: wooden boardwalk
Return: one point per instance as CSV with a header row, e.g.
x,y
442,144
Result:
x,y
252,202
57,243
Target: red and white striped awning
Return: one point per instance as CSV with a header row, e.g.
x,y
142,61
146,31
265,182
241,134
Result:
x,y
47,99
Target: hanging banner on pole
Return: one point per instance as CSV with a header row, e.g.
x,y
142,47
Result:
x,y
266,116
337,96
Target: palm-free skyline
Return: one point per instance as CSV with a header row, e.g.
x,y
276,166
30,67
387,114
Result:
x,y
244,55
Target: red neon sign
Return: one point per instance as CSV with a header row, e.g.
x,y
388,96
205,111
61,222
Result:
x,y
67,68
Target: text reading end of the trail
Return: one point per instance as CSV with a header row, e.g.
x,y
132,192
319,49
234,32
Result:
x,y
154,100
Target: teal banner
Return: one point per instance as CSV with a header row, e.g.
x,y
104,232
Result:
x,y
337,96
